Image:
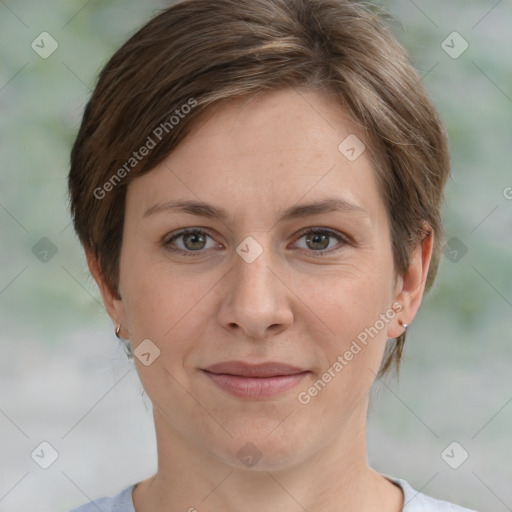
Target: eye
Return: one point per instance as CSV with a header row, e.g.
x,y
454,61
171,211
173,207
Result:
x,y
318,240
193,241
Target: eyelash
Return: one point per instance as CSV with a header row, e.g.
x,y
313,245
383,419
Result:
x,y
342,238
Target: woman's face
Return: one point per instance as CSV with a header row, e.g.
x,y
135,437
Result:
x,y
258,286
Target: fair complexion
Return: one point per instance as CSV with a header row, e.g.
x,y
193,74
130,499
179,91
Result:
x,y
202,303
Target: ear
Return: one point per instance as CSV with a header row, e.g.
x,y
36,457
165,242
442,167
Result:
x,y
410,287
113,303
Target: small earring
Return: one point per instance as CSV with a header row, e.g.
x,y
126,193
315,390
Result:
x,y
404,325
118,329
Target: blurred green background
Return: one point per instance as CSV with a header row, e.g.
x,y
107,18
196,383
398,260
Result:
x,y
65,380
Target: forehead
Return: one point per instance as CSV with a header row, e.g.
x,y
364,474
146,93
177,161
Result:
x,y
278,148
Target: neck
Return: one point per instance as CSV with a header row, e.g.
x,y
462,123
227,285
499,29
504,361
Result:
x,y
335,477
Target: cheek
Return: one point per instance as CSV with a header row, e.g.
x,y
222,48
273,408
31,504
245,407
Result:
x,y
358,311
166,303
155,305
148,290
354,300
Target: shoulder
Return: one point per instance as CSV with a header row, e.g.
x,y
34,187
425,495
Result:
x,y
415,501
121,502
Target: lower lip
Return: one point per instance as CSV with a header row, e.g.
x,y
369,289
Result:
x,y
255,387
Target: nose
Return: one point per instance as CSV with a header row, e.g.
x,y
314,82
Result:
x,y
256,299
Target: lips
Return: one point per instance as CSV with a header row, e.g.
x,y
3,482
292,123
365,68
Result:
x,y
243,369
254,381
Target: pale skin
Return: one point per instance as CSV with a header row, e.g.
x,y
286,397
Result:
x,y
255,159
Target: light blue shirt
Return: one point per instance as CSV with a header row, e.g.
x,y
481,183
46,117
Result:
x,y
414,501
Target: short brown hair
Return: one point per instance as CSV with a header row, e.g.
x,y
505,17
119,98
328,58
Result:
x,y
199,53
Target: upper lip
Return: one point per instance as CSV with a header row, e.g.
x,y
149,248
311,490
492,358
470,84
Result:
x,y
270,369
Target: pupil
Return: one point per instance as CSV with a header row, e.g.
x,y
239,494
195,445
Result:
x,y
196,238
319,238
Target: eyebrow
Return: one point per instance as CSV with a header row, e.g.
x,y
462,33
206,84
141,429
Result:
x,y
208,210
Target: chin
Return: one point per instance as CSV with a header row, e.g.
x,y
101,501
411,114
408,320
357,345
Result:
x,y
261,450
